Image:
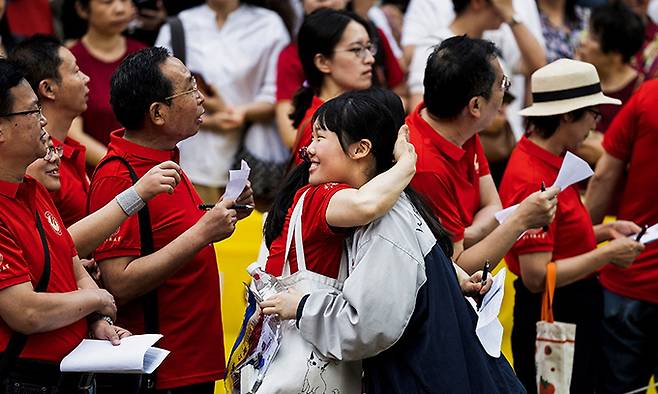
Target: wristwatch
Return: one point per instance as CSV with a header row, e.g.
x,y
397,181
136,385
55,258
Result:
x,y
94,317
514,21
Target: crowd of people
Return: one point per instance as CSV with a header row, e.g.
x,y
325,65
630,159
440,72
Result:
x,y
382,136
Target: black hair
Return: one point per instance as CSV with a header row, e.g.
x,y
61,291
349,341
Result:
x,y
460,6
136,84
546,126
374,114
5,34
10,77
38,57
458,70
319,34
618,29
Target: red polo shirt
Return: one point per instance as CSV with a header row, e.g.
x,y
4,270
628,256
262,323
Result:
x,y
289,73
71,198
189,303
633,138
571,233
323,244
305,130
447,175
22,258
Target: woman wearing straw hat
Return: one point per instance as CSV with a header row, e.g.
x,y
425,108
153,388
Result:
x,y
566,94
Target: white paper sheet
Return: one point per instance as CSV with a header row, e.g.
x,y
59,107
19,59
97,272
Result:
x,y
650,236
573,170
135,354
237,180
489,330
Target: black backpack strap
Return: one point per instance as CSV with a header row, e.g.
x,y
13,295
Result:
x,y
17,341
149,300
177,37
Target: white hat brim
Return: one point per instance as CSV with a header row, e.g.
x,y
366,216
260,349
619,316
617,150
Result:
x,y
564,106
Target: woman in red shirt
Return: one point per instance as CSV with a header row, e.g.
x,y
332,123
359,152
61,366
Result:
x,y
98,53
337,54
566,94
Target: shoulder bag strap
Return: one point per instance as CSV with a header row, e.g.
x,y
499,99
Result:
x,y
149,300
17,341
177,38
547,300
295,230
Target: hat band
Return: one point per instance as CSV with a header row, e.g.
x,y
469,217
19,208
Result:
x,y
556,95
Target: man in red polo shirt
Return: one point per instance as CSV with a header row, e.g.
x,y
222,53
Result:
x,y
630,297
45,293
464,87
156,99
52,72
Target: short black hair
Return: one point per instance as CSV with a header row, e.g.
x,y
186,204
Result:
x,y
618,29
458,70
38,57
546,126
460,6
136,84
10,77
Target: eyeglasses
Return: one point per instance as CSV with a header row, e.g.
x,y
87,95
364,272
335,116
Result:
x,y
595,113
361,51
28,112
505,83
195,90
52,152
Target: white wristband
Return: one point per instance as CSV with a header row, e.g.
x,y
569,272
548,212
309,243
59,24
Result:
x,y
130,201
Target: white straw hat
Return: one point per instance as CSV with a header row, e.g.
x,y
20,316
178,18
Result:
x,y
563,86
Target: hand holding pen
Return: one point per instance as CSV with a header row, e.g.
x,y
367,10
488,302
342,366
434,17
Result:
x,y
483,283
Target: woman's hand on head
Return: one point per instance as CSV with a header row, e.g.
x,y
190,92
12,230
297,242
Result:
x,y
283,304
162,178
403,149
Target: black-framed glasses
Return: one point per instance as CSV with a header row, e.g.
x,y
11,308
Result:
x,y
54,151
195,90
595,113
505,83
27,112
361,51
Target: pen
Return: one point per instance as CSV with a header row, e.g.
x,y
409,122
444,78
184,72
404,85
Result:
x,y
485,272
641,233
543,188
207,207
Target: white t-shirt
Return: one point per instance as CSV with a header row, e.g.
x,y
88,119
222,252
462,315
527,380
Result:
x,y
240,61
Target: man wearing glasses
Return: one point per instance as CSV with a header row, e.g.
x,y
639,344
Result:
x,y
156,99
464,88
55,77
45,293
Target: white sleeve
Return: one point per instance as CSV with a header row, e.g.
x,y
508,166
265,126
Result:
x,y
529,14
164,38
279,40
374,308
423,17
417,69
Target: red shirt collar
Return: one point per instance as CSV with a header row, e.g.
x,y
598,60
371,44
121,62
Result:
x,y
120,144
535,150
426,131
70,146
10,189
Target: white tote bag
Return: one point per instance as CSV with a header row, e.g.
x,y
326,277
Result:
x,y
298,367
554,346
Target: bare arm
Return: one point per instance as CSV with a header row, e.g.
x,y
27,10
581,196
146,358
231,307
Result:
x,y
288,133
89,232
128,277
95,150
609,171
357,207
484,221
535,211
622,251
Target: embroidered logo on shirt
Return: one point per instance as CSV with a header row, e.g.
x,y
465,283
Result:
x,y
53,222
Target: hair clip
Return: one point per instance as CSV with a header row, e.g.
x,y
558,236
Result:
x,y
306,84
303,154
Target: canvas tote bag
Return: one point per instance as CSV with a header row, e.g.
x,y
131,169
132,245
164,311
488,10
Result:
x,y
298,367
554,346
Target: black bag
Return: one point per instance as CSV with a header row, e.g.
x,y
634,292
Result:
x,y
266,176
